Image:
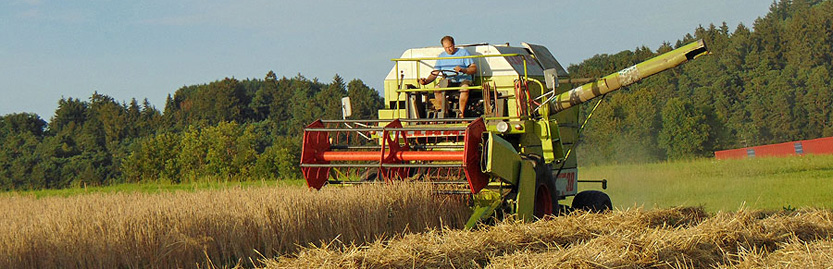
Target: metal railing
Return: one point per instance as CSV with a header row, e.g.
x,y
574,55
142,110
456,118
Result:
x,y
400,79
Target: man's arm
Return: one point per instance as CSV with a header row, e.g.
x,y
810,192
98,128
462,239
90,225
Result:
x,y
429,79
470,70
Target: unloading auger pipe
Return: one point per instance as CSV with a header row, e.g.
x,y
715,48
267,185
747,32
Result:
x,y
628,76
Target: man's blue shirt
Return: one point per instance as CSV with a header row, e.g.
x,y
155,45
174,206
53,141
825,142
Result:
x,y
449,64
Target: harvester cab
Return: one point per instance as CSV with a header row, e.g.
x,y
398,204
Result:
x,y
512,152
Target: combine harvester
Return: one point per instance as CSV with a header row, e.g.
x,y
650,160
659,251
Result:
x,y
512,153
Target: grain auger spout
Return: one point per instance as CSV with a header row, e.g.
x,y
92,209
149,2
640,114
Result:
x,y
628,76
508,150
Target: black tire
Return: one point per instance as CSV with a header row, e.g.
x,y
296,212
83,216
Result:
x,y
546,199
592,201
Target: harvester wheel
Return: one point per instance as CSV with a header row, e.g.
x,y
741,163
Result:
x,y
593,201
546,202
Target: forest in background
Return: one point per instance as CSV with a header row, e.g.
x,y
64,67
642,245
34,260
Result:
x,y
225,130
763,85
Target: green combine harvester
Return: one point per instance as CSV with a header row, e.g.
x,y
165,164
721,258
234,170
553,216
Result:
x,y
511,153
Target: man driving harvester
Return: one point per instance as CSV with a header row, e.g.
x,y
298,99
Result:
x,y
455,72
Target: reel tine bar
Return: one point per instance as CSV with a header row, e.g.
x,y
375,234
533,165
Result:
x,y
420,150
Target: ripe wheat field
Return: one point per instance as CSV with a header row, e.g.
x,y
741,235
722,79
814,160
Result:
x,y
209,228
387,226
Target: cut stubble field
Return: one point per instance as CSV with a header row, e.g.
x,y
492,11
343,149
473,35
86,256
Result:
x,y
635,238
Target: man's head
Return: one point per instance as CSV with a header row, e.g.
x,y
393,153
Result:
x,y
448,44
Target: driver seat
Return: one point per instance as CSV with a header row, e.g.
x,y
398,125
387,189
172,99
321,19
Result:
x,y
440,101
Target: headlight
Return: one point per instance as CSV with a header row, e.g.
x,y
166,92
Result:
x,y
502,127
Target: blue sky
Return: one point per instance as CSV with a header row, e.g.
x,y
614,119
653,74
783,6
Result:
x,y
51,49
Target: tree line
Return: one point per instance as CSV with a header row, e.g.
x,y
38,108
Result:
x,y
767,84
226,130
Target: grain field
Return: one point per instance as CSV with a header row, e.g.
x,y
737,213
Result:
x,y
633,238
209,228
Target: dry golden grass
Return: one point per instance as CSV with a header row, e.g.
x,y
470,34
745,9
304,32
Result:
x,y
634,238
382,226
209,228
